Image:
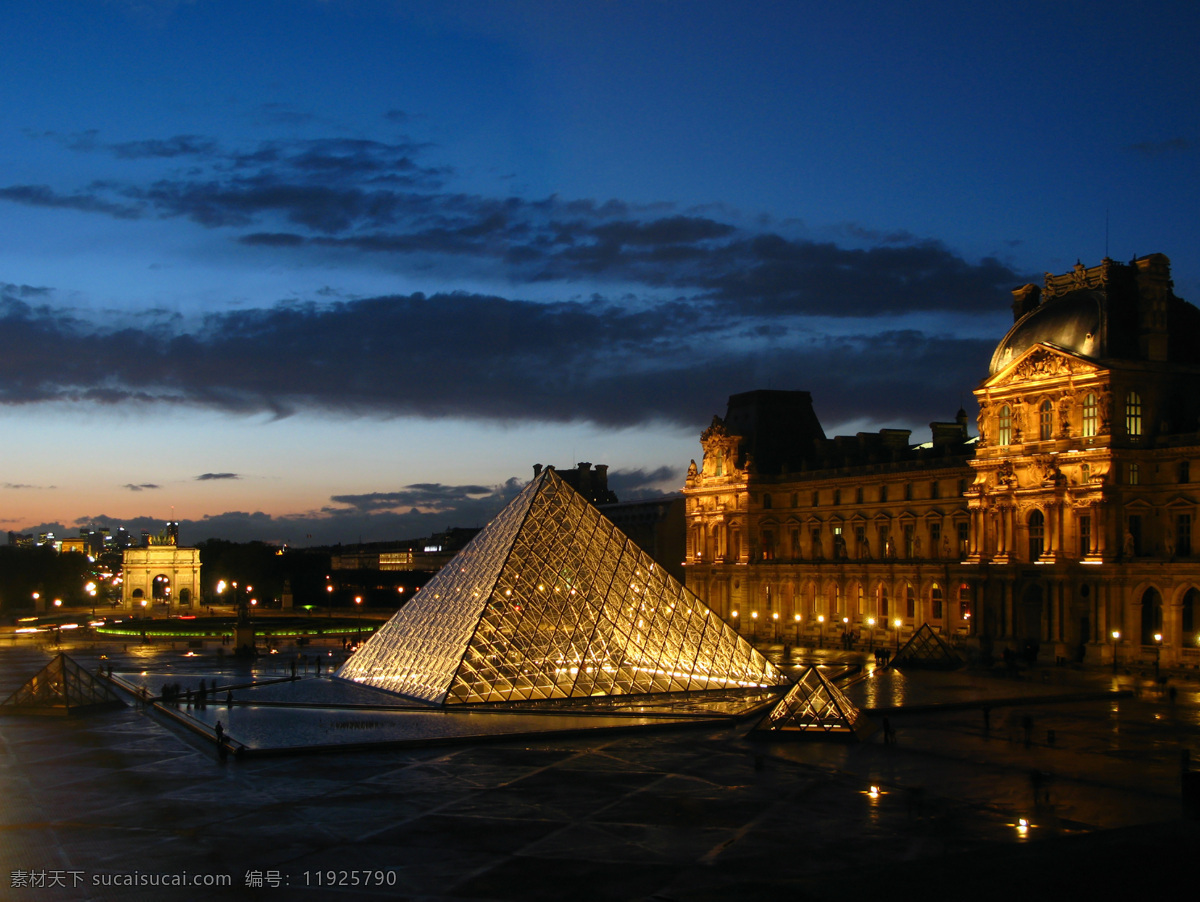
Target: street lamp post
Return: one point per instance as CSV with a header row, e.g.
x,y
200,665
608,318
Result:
x,y
871,631
775,626
820,631
1116,637
796,617
753,626
896,624
1157,652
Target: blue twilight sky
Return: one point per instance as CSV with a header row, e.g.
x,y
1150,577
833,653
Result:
x,y
328,271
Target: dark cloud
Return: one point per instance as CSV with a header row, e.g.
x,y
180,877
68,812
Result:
x,y
384,201
44,196
639,485
206,476
139,487
1158,148
493,358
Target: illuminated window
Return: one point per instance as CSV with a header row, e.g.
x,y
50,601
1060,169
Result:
x,y
1133,414
964,602
1089,416
719,464
964,535
1045,420
1133,474
910,601
1004,434
768,544
1037,535
935,602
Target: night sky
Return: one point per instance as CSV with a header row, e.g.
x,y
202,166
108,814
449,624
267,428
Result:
x,y
336,271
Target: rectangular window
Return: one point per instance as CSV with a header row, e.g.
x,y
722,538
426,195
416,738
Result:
x,y
1089,416
883,493
1183,535
768,545
1133,535
910,534
860,540
908,491
1185,471
1085,535
858,495
910,602
837,496
1133,414
1132,474
935,489
816,501
795,536
964,533
816,542
935,536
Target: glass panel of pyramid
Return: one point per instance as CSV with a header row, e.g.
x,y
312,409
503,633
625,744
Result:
x,y
552,601
60,687
814,705
927,649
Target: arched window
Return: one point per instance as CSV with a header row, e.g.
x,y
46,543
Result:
x,y
1133,414
1045,420
935,602
881,597
910,601
1089,416
1151,616
1190,611
1004,433
964,602
1037,535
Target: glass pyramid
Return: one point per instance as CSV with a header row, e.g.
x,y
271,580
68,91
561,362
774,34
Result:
x,y
927,649
814,705
62,686
552,601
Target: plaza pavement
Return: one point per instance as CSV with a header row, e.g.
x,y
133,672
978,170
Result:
x,y
680,814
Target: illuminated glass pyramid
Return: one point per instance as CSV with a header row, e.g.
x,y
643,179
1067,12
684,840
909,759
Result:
x,y
928,650
552,601
61,687
815,707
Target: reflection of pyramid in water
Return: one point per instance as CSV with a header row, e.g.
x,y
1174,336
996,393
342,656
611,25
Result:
x,y
552,601
927,649
61,687
815,707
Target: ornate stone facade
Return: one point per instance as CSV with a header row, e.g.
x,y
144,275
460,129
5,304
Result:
x,y
1064,530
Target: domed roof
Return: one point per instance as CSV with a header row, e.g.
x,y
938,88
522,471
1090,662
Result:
x,y
1073,322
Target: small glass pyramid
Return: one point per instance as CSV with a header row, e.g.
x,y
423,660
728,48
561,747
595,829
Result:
x,y
61,687
552,601
926,649
815,706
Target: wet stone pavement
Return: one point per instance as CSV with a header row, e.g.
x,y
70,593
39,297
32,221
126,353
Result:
x,y
93,803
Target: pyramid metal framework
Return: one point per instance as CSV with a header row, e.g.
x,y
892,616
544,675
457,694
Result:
x,y
61,687
815,706
552,601
926,649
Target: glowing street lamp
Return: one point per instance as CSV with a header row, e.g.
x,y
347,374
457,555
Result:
x,y
796,617
1116,637
775,626
871,631
753,625
896,623
820,630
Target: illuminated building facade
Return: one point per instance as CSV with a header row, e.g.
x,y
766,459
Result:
x,y
1065,530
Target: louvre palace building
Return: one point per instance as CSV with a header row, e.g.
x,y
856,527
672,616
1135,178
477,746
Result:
x,y
1064,529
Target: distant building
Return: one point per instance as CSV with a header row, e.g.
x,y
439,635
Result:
x,y
1065,531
